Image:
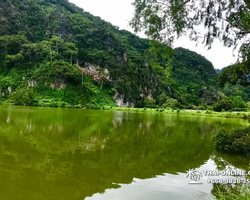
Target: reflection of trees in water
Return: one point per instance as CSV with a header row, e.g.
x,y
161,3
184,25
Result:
x,y
226,161
79,153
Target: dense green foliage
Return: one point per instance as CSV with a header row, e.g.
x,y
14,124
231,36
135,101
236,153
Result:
x,y
223,105
192,77
48,45
45,46
234,74
225,20
236,141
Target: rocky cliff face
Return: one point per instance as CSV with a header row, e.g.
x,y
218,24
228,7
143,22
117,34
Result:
x,y
101,76
121,102
96,72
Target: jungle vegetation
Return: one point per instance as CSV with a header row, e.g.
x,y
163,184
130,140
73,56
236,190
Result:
x,y
46,46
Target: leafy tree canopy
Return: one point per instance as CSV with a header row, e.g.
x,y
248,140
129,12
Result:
x,y
164,20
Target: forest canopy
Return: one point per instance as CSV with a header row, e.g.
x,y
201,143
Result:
x,y
53,53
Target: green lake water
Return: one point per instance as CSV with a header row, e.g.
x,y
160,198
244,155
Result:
x,y
71,154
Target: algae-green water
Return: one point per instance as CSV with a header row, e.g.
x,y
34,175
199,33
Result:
x,y
73,154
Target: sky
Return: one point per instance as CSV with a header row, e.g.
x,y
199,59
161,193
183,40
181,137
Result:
x,y
120,12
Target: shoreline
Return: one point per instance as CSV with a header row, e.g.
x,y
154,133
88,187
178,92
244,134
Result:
x,y
199,113
184,112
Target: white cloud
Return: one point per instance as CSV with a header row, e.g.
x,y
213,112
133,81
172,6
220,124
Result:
x,y
120,12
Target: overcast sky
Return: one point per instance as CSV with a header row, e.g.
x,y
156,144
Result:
x,y
119,13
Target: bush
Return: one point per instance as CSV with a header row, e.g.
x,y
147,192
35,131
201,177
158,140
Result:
x,y
69,106
210,108
77,106
194,107
201,108
179,106
237,141
248,104
209,111
239,109
239,103
172,103
23,97
61,104
149,103
223,104
189,106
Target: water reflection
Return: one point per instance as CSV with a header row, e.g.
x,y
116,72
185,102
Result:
x,y
75,154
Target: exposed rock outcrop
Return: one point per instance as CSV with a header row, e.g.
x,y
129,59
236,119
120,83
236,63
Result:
x,y
9,89
121,102
32,83
99,74
59,84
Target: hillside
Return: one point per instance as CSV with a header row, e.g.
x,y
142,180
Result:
x,y
53,53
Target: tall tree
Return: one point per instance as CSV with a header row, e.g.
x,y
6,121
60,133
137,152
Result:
x,y
71,50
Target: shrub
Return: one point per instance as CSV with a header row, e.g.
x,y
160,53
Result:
x,y
209,111
172,103
210,108
201,108
61,104
22,97
223,104
178,105
237,141
77,106
149,103
189,106
239,109
248,104
238,102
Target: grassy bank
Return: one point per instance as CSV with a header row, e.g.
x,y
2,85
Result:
x,y
244,194
204,113
207,113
